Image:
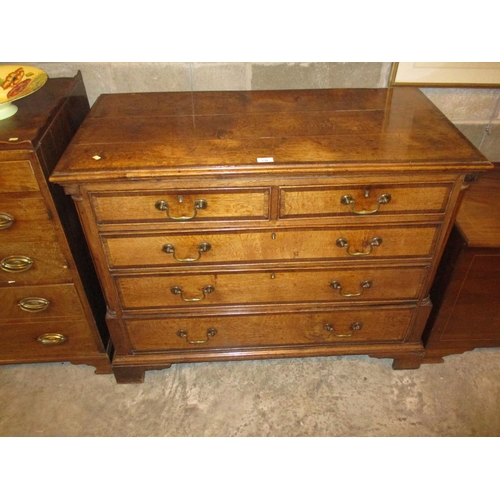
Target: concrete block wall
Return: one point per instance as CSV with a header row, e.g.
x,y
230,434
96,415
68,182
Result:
x,y
475,111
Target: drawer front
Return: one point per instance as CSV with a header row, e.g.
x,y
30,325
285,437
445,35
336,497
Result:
x,y
266,246
181,206
390,199
49,340
247,288
39,303
17,176
22,218
32,263
345,326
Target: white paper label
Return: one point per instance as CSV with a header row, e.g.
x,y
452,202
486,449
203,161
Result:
x,y
269,159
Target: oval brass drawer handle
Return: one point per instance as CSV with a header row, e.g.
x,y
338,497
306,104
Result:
x,y
336,285
198,205
343,243
34,304
348,199
6,220
52,339
184,335
16,264
354,327
177,290
202,247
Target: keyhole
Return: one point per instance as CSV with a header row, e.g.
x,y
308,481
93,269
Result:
x,y
273,236
367,193
180,198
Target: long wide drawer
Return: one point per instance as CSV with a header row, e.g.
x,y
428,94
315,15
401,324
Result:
x,y
39,303
21,218
181,205
52,340
337,326
384,199
142,292
214,247
31,263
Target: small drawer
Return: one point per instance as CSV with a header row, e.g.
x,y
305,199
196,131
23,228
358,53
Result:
x,y
37,303
17,176
369,200
270,287
181,206
313,328
32,263
267,246
22,218
45,340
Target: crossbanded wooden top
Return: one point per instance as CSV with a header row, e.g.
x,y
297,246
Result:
x,y
230,132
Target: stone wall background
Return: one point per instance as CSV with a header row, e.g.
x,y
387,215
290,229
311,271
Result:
x,y
475,111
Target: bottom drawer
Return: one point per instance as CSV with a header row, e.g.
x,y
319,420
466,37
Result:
x,y
51,340
368,325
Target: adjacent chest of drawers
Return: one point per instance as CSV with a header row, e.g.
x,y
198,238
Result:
x,y
251,225
51,300
466,291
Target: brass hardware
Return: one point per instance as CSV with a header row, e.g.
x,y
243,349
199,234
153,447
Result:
x,y
34,304
348,199
202,247
52,339
16,264
354,327
198,205
336,285
6,220
177,290
343,243
184,335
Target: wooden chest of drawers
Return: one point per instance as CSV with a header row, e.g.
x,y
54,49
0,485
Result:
x,y
45,266
466,291
250,225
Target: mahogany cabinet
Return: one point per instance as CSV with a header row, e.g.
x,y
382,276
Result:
x,y
466,291
266,224
52,305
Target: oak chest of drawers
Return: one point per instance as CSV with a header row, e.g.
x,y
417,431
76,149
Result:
x,y
250,225
466,291
52,305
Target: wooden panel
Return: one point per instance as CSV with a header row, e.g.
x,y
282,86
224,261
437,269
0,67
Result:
x,y
320,201
229,204
377,325
267,246
272,287
63,302
17,176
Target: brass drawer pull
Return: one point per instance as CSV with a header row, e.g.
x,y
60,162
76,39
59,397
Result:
x,y
52,339
343,243
336,285
349,200
184,335
198,205
354,327
202,247
16,264
177,290
34,304
6,220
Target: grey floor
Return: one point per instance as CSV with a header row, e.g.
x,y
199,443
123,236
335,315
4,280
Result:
x,y
338,396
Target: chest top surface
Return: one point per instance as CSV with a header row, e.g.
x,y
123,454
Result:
x,y
36,112
246,132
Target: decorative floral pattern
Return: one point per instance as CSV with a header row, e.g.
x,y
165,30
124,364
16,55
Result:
x,y
19,82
